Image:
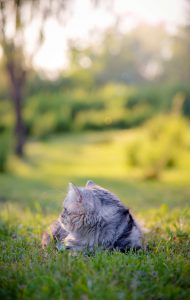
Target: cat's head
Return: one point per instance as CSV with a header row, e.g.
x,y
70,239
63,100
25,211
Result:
x,y
79,204
84,207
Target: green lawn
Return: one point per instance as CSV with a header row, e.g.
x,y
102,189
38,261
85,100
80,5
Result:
x,y
31,195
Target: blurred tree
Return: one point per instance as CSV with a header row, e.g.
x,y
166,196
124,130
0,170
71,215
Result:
x,y
179,65
15,16
136,56
133,57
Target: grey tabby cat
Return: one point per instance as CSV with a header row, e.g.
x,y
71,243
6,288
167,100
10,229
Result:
x,y
94,217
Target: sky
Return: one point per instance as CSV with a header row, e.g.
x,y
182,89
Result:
x,y
52,56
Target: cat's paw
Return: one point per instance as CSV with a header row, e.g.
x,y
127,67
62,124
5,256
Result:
x,y
60,246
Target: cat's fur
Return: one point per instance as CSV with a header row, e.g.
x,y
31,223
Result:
x,y
94,217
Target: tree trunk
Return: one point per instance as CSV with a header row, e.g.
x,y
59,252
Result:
x,y
17,82
19,123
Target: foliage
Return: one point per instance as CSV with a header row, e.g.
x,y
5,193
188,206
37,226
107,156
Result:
x,y
165,141
113,106
108,107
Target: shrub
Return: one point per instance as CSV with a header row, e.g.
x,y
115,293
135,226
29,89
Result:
x,y
162,143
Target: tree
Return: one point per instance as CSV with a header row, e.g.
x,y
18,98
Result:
x,y
133,57
17,15
178,67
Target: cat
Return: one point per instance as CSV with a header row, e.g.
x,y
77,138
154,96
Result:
x,y
94,217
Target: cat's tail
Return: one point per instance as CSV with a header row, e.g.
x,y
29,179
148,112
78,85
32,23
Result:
x,y
55,231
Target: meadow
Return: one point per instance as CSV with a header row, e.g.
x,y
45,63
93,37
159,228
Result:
x,y
31,196
116,112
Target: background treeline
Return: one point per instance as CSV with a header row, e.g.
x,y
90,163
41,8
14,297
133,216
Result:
x,y
125,80
118,80
56,109
113,106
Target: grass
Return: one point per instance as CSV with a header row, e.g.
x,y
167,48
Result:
x,y
31,197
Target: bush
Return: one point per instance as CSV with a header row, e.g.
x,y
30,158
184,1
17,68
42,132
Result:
x,y
164,141
112,106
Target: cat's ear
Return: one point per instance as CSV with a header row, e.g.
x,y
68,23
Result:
x,y
75,191
90,184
